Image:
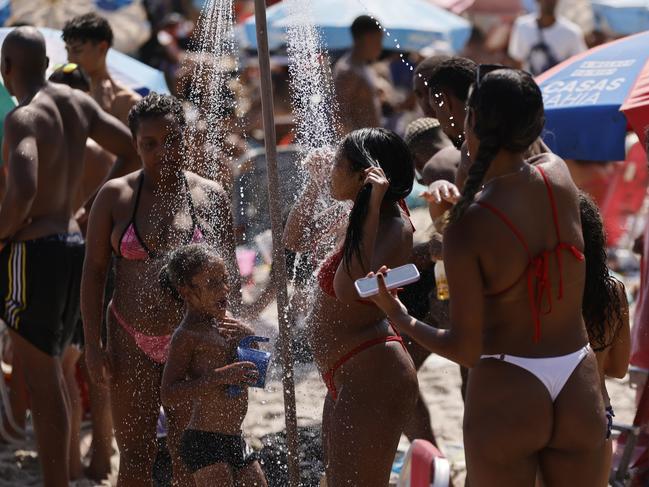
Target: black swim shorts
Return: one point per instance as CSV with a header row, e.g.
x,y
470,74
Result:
x,y
200,449
40,283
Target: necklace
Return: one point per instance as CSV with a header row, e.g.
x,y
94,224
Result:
x,y
502,176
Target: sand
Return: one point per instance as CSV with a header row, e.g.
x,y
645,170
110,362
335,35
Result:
x,y
439,380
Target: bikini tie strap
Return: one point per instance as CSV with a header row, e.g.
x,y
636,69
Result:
x,y
539,287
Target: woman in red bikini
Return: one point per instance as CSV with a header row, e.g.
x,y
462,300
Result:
x,y
514,260
137,219
370,377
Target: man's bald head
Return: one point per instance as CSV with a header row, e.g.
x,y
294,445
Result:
x,y
24,54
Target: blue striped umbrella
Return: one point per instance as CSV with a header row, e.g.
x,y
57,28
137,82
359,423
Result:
x,y
622,17
412,24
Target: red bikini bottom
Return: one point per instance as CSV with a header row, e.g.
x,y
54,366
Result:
x,y
328,376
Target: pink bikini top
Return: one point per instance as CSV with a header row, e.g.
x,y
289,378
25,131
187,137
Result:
x,y
539,285
327,272
131,244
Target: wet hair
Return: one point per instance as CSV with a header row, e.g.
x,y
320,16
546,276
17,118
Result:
x,y
507,111
603,305
425,67
73,75
364,25
375,147
455,74
88,27
183,264
155,105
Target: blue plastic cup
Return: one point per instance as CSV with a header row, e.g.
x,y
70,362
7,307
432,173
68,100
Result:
x,y
261,359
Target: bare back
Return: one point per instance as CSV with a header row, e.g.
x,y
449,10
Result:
x,y
524,199
60,121
358,98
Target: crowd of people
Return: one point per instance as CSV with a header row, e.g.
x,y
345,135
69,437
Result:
x,y
118,260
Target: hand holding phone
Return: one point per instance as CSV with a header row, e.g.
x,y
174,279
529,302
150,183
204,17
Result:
x,y
394,278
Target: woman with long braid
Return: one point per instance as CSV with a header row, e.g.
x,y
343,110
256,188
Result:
x,y
516,271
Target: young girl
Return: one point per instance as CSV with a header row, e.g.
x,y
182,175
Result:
x,y
200,368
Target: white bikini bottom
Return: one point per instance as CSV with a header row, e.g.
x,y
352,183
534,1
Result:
x,y
553,372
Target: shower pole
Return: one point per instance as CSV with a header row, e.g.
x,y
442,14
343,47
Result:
x,y
279,258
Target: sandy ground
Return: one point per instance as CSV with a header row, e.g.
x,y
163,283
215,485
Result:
x,y
439,380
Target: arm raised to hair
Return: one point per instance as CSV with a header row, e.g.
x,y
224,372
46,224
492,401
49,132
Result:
x,y
392,247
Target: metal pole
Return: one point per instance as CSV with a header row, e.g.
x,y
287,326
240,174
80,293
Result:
x,y
279,258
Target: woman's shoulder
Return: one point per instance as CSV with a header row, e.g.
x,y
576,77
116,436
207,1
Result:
x,y
116,189
550,163
555,170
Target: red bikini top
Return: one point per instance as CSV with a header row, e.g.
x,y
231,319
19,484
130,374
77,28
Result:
x,y
327,272
539,285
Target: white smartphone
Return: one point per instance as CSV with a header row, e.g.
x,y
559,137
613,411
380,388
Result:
x,y
394,278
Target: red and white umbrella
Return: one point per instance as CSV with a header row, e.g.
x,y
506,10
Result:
x,y
495,7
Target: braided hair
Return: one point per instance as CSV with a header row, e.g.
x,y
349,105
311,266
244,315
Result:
x,y
375,147
507,113
603,305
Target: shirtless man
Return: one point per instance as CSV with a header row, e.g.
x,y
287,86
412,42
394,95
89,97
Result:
x,y
87,40
42,253
358,96
420,83
448,83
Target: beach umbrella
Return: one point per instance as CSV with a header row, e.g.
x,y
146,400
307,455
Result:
x,y
128,18
622,17
7,103
412,24
592,98
129,71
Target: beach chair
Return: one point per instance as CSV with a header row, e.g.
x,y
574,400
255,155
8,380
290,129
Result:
x,y
424,466
631,447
